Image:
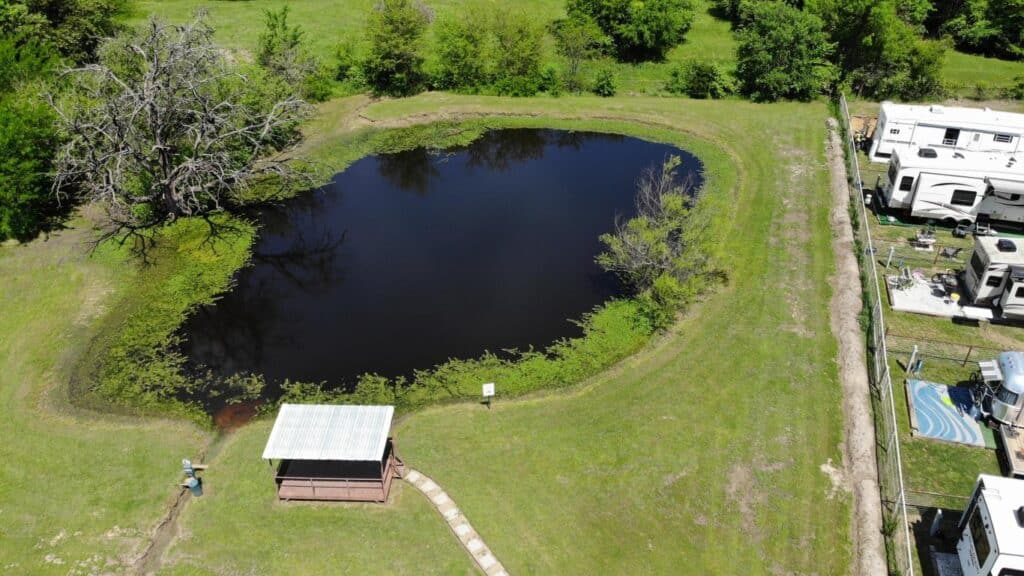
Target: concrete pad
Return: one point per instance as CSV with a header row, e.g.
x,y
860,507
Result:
x,y
428,486
450,513
463,529
413,476
487,560
475,545
440,498
924,298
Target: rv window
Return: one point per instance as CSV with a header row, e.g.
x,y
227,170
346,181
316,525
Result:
x,y
951,136
977,265
964,197
981,545
1004,138
1011,572
1019,293
1007,397
894,131
994,281
906,183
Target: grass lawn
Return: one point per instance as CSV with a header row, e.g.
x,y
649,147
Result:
x,y
700,455
78,493
967,70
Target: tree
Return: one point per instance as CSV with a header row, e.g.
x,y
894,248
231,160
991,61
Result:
x,y
282,51
783,52
877,51
394,65
519,51
639,30
699,79
27,137
1007,17
161,127
461,45
578,39
660,253
604,83
75,27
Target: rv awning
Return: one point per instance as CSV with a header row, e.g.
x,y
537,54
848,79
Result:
x,y
328,432
1006,186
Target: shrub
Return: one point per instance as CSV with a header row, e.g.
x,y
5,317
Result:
x,y
1017,89
28,138
639,30
578,39
394,64
783,53
699,80
281,50
462,52
519,51
604,83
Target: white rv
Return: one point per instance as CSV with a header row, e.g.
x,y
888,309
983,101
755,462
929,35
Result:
x,y
995,275
975,129
953,185
991,541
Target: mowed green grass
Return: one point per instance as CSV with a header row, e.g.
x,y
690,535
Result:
x,y
969,70
700,455
79,493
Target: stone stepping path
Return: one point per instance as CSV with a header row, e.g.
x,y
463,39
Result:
x,y
457,521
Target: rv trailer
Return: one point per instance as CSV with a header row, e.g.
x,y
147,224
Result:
x,y
954,185
974,129
991,530
995,275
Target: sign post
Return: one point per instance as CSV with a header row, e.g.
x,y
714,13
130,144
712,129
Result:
x,y
488,392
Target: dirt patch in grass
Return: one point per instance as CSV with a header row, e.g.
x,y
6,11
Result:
x,y
861,469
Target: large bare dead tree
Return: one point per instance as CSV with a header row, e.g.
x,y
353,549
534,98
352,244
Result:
x,y
162,127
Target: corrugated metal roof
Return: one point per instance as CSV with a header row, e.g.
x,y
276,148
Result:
x,y
329,432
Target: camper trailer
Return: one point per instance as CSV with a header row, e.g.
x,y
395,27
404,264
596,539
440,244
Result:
x,y
995,275
991,541
955,186
1005,392
973,129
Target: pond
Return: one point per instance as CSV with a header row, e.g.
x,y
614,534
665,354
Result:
x,y
406,260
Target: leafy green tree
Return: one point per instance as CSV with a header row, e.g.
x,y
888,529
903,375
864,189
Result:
x,y
879,53
75,27
783,52
578,39
699,79
394,65
462,52
661,253
518,54
27,137
1008,19
27,141
640,30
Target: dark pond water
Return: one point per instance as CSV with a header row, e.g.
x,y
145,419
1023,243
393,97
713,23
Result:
x,y
409,259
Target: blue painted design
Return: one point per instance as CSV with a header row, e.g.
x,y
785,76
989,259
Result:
x,y
944,412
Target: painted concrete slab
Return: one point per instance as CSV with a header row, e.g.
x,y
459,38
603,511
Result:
x,y
923,297
944,413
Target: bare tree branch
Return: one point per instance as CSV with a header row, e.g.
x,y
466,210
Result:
x,y
162,127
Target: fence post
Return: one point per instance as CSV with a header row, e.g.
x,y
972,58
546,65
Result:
x,y
968,357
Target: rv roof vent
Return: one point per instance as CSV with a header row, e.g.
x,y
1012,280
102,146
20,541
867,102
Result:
x,y
1005,245
927,153
936,109
957,155
1020,516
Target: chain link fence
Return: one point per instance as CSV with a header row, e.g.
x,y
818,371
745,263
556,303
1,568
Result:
x,y
897,529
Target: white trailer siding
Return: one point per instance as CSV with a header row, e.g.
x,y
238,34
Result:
x,y
944,184
992,535
973,129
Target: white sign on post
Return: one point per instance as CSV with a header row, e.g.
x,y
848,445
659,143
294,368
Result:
x,y
489,390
